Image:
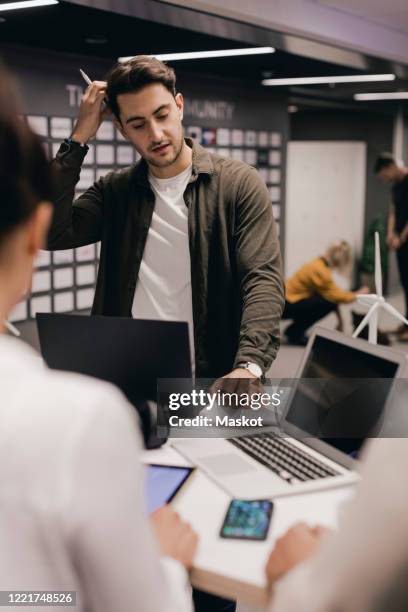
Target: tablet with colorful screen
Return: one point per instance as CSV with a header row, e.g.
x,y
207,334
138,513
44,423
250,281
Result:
x,y
162,482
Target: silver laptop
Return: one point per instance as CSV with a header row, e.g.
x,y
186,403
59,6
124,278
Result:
x,y
339,399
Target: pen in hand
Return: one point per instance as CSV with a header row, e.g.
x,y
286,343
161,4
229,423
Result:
x,y
85,77
93,110
89,82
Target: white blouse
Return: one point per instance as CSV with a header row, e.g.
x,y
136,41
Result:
x,y
72,511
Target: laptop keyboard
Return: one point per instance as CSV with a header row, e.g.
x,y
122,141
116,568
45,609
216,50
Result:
x,y
282,458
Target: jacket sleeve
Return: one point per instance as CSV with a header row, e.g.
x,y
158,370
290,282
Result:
x,y
259,268
75,223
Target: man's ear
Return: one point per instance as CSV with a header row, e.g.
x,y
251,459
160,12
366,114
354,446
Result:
x,y
180,104
37,228
119,127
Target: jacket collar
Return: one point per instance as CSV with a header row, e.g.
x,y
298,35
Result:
x,y
201,163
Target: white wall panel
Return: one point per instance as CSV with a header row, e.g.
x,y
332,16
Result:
x,y
324,199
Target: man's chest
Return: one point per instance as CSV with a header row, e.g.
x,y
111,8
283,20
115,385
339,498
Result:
x,y
167,251
169,221
195,224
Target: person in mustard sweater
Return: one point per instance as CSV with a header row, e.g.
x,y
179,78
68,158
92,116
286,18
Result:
x,y
311,292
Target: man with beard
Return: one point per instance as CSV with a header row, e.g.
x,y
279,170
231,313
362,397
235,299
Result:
x,y
186,235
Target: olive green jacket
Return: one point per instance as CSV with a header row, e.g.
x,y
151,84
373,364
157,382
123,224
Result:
x,y
236,276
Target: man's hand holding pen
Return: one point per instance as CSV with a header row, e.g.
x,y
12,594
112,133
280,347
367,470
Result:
x,y
92,112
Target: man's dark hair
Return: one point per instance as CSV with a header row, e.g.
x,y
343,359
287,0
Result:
x,y
133,75
383,161
25,176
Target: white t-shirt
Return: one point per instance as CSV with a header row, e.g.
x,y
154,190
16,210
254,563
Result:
x,y
163,291
72,510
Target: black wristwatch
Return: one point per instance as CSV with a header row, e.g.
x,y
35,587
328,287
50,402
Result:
x,y
70,145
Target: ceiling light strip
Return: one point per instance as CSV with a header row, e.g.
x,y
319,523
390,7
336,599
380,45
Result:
x,y
207,54
393,95
362,78
11,6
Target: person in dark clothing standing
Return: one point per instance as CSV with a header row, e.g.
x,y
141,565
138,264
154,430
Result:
x,y
391,173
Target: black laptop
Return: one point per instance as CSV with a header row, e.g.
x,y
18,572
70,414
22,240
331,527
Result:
x,y
130,353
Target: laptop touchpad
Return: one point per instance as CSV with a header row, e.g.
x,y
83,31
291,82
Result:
x,y
226,464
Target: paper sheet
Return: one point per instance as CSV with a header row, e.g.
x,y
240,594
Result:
x,y
237,138
124,155
263,139
63,257
105,154
84,298
41,281
85,253
250,138
106,131
43,259
61,127
64,302
40,304
275,139
85,275
223,136
38,124
274,158
86,178
63,277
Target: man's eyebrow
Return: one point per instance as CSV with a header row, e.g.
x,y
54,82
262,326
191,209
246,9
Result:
x,y
141,118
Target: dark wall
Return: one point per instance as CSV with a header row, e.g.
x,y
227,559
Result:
x,y
405,138
374,129
51,84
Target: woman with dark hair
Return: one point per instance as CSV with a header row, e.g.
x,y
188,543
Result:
x,y
25,195
72,513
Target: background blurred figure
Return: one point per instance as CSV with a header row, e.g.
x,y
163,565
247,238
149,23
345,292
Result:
x,y
393,174
311,292
72,507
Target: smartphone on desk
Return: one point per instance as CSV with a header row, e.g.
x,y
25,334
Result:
x,y
247,519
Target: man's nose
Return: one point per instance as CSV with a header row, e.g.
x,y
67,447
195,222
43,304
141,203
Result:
x,y
156,133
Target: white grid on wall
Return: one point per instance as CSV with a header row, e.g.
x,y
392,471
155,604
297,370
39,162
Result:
x,y
64,281
259,148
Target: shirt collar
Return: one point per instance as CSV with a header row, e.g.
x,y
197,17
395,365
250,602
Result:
x,y
201,163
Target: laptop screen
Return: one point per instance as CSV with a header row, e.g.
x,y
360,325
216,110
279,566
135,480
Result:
x,y
342,394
